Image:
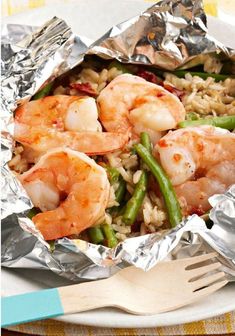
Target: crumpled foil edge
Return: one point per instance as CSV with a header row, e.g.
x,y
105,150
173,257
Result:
x,y
52,50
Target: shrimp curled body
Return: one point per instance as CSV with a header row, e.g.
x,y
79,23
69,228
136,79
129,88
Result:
x,y
200,162
130,102
70,189
56,121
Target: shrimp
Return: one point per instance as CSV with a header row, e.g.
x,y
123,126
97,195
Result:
x,y
132,102
71,190
200,162
194,194
61,120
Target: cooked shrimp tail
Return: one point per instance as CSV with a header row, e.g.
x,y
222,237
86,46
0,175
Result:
x,y
200,162
69,121
71,190
132,102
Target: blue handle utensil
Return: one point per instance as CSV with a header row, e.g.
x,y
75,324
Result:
x,y
31,306
167,286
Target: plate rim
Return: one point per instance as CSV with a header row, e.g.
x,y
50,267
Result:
x,y
114,318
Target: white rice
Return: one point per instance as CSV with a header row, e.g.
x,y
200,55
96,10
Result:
x,y
136,176
205,97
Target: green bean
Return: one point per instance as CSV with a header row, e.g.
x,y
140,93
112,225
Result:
x,y
133,205
133,151
52,245
121,190
119,197
119,66
227,122
95,234
146,142
192,116
203,75
135,202
33,212
113,174
109,235
172,204
43,92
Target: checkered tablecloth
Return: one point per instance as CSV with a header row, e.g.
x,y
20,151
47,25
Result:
x,y
222,325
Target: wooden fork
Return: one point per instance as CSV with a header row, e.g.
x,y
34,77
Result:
x,y
167,286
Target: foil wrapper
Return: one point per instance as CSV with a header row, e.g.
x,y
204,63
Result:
x,y
171,34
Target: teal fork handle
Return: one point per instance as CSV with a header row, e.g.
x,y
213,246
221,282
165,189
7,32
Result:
x,y
31,306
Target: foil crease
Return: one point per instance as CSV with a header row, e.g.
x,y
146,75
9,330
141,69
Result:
x,y
169,35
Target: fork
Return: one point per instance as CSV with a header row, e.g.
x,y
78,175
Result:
x,y
167,286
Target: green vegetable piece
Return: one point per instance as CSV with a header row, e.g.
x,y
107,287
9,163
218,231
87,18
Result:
x,y
146,142
135,202
52,245
113,174
133,151
172,204
133,205
227,122
95,234
43,92
109,235
119,196
119,66
203,75
192,116
121,190
33,212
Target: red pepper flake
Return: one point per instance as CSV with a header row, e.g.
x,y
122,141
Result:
x,y
178,93
84,88
150,77
200,147
197,211
162,143
177,157
160,94
58,124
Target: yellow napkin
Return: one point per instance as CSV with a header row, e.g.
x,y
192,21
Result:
x,y
221,325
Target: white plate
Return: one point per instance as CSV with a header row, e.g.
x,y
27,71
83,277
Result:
x,y
103,14
24,280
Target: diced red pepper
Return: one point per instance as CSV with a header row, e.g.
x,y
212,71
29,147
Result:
x,y
178,93
135,227
197,211
150,77
84,88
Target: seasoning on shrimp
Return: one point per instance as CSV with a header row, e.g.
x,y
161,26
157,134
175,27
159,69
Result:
x,y
69,121
71,190
132,102
191,163
200,162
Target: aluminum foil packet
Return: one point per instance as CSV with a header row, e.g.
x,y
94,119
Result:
x,y
171,34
